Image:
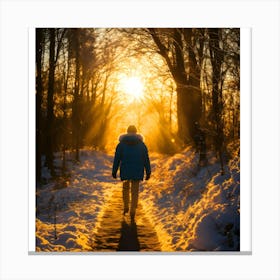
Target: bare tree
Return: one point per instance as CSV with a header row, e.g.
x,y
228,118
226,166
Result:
x,y
39,97
55,41
172,45
50,102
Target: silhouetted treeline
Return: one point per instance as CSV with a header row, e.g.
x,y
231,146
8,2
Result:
x,y
75,85
205,65
71,108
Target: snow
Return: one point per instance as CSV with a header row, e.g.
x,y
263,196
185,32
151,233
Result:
x,y
194,209
67,215
191,208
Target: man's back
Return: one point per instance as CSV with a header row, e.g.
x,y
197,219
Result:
x,y
132,155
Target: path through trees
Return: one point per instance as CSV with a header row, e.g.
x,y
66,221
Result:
x,y
119,233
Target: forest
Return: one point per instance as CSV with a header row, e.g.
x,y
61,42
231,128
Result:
x,y
180,87
91,83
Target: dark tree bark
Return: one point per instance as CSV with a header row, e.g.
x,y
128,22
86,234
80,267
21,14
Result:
x,y
194,101
39,97
64,108
50,104
75,104
187,80
216,56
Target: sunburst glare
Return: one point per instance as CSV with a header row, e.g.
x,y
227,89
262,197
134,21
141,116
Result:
x,y
133,87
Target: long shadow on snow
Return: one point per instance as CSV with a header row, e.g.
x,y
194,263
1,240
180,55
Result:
x,y
129,237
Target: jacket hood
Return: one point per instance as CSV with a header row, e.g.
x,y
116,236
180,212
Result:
x,y
131,138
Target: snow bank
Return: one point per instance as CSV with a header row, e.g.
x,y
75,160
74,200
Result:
x,y
69,209
192,208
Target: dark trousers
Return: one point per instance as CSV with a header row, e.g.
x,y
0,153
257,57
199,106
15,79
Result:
x,y
130,195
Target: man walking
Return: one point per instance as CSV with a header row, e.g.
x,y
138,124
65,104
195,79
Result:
x,y
132,157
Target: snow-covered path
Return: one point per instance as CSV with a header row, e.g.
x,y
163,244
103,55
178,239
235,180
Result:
x,y
118,233
85,213
181,208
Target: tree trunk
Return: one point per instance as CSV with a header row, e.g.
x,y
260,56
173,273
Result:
x,y
50,104
189,103
64,108
75,104
216,60
194,111
39,96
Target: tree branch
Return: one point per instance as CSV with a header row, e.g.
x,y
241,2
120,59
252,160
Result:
x,y
162,50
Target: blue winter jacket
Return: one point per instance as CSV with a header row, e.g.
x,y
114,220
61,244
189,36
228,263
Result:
x,y
132,157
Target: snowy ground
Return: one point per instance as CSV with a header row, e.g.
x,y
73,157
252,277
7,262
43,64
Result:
x,y
191,208
194,209
68,210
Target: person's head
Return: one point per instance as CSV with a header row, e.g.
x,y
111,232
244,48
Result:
x,y
131,129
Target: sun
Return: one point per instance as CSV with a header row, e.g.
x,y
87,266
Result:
x,y
133,87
